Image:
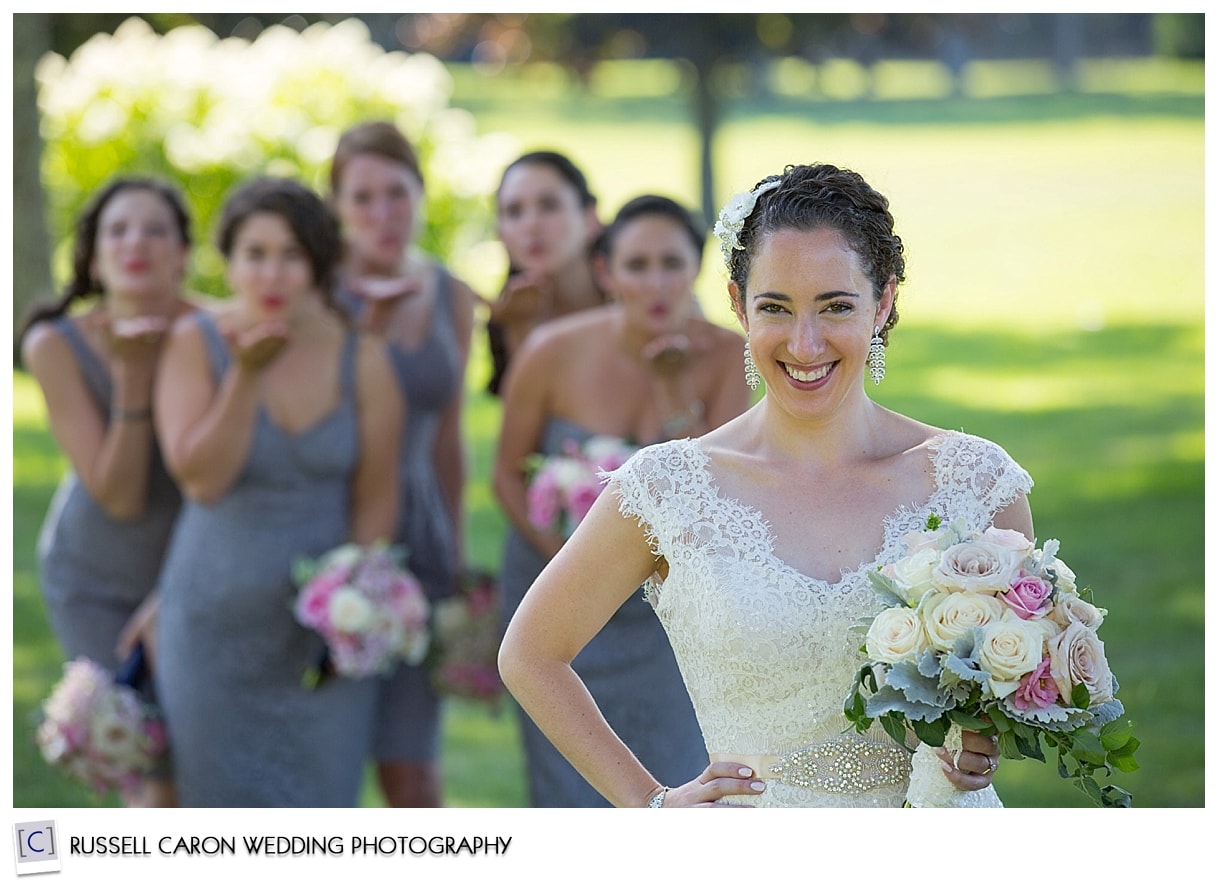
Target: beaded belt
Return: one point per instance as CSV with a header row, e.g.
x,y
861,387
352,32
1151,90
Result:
x,y
843,766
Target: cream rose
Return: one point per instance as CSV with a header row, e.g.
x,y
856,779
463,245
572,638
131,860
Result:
x,y
1071,608
896,635
1076,655
1008,650
1012,539
912,574
1066,580
978,566
350,611
950,615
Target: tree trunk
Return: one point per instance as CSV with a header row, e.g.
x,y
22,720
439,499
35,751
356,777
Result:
x,y
706,113
31,242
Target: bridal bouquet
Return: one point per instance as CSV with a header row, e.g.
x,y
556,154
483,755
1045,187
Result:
x,y
371,611
99,732
562,487
466,631
984,631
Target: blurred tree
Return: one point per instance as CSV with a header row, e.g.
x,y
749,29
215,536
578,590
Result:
x,y
31,250
206,112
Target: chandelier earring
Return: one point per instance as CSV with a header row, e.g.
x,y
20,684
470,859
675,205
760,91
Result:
x,y
875,357
751,375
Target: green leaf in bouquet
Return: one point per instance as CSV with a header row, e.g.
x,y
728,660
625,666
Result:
x,y
888,700
1008,745
1116,734
932,732
1000,720
303,569
1116,797
1079,696
531,464
919,688
886,589
933,522
894,725
1087,747
1027,741
1091,788
970,722
1123,760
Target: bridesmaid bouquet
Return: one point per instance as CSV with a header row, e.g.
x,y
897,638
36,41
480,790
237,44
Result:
x,y
98,731
466,631
984,631
371,611
563,486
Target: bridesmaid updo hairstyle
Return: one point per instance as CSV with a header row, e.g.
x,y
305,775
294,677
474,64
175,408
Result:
x,y
650,205
378,137
83,284
812,197
308,217
565,168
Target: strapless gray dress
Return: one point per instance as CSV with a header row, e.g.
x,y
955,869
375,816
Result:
x,y
245,731
628,667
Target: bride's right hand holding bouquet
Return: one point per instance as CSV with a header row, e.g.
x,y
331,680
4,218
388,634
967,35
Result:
x,y
986,632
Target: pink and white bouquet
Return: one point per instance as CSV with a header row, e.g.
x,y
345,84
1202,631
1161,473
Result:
x,y
99,732
984,631
467,629
370,610
562,487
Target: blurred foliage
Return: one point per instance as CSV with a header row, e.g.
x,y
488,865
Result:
x,y
207,112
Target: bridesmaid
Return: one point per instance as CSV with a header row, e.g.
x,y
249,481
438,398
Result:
x,y
546,218
427,316
105,534
646,367
281,426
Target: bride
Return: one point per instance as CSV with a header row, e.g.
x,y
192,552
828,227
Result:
x,y
757,537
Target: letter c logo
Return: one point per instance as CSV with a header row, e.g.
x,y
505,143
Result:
x,y
29,841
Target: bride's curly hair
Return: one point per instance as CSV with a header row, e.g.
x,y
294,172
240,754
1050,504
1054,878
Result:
x,y
820,195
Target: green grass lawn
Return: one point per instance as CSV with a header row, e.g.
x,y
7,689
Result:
x,y
1054,304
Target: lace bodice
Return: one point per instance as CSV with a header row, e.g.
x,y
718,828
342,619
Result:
x,y
767,653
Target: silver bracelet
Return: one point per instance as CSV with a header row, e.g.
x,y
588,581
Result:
x,y
657,801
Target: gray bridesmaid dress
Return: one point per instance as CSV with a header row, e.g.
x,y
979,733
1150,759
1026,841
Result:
x,y
245,732
95,570
408,709
628,667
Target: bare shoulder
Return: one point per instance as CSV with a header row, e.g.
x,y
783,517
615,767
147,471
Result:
x,y
42,343
569,333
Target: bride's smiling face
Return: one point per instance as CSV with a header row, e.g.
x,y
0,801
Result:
x,y
810,311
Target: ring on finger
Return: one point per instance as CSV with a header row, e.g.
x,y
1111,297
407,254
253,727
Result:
x,y
993,762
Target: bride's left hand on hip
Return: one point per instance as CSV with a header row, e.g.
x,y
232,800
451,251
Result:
x,y
716,781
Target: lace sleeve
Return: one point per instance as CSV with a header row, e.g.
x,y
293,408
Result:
x,y
978,477
647,489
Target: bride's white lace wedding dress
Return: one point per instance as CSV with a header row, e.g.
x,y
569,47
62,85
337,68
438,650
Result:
x,y
766,652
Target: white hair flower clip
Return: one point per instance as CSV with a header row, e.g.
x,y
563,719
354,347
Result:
x,y
732,217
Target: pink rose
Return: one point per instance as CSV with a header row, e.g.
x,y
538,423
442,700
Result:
x,y
543,500
1037,688
313,604
580,498
1028,596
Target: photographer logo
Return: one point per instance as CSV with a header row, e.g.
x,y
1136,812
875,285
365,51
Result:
x,y
36,847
